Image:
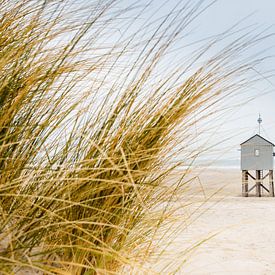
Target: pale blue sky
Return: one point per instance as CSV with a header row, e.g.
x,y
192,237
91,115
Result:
x,y
242,121
239,122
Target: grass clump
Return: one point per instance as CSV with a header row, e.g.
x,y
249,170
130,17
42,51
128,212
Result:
x,y
88,129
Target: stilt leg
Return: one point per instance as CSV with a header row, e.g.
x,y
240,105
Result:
x,y
271,184
258,183
244,183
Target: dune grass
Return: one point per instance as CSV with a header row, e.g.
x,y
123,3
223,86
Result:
x,y
90,128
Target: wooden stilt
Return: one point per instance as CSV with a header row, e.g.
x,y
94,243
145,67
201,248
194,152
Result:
x,y
245,183
258,183
271,184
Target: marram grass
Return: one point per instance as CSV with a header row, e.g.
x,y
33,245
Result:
x,y
89,129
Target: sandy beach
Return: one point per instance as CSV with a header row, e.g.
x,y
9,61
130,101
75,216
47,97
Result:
x,y
227,234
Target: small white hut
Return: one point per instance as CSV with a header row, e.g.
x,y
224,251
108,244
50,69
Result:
x,y
257,155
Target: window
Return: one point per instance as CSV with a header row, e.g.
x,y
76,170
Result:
x,y
257,152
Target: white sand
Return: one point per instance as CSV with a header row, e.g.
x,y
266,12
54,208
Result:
x,y
245,227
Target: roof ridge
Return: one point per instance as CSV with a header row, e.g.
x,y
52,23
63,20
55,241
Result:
x,y
258,136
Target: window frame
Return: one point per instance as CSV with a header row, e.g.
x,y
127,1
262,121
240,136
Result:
x,y
256,152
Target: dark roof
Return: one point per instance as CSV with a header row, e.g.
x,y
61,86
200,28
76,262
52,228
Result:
x,y
259,137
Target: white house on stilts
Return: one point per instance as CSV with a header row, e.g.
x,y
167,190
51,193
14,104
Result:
x,y
257,155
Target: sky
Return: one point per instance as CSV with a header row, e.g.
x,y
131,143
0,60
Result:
x,y
241,122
